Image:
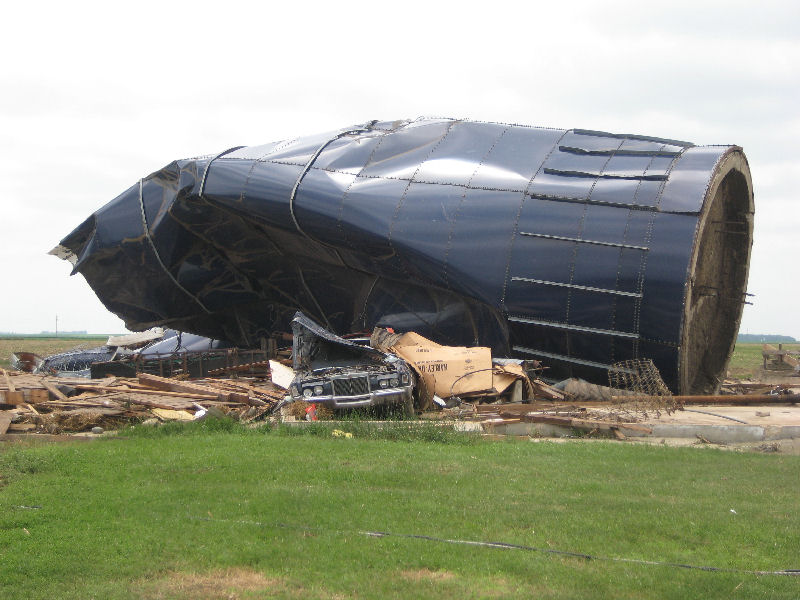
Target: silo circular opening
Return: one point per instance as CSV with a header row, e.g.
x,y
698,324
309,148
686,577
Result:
x,y
718,277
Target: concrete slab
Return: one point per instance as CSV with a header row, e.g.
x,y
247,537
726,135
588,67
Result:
x,y
716,424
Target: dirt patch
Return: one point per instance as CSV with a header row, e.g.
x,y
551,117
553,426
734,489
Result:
x,y
227,584
453,586
427,575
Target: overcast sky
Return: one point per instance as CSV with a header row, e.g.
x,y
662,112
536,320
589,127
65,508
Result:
x,y
94,96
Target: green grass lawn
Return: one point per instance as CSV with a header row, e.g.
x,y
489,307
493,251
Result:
x,y
239,513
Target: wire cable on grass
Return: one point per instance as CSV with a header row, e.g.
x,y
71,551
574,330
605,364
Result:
x,y
505,546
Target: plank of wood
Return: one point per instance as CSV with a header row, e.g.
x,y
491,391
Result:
x,y
54,390
171,385
235,392
152,392
92,397
21,427
10,385
550,420
768,349
153,404
540,388
587,424
242,367
5,421
58,404
636,427
172,415
14,398
38,395
185,388
273,394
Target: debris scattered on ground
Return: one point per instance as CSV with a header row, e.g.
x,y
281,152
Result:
x,y
463,384
42,403
737,387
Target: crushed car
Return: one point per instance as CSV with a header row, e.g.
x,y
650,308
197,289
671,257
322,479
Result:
x,y
340,373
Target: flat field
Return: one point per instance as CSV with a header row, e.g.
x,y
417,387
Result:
x,y
747,362
44,346
213,510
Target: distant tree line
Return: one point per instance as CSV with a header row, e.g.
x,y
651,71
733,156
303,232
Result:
x,y
762,338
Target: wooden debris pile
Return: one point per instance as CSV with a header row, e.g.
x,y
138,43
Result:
x,y
41,403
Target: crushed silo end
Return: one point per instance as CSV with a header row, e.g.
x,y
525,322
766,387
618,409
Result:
x,y
575,247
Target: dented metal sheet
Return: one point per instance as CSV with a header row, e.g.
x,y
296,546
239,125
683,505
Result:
x,y
577,247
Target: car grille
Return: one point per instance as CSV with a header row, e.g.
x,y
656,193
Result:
x,y
352,386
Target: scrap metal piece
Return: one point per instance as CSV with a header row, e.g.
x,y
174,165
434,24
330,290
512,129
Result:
x,y
28,362
576,247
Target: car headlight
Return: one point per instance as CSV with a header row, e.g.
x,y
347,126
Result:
x,y
383,383
307,392
395,382
405,378
317,390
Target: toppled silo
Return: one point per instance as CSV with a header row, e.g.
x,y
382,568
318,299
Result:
x,y
576,247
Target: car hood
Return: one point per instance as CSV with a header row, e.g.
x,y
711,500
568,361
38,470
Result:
x,y
314,347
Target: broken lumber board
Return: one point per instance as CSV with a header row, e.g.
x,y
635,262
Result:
x,y
549,420
235,392
522,409
53,389
61,405
272,394
10,385
152,404
242,367
21,427
5,421
636,427
14,398
171,385
37,395
165,414
587,424
540,388
164,393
